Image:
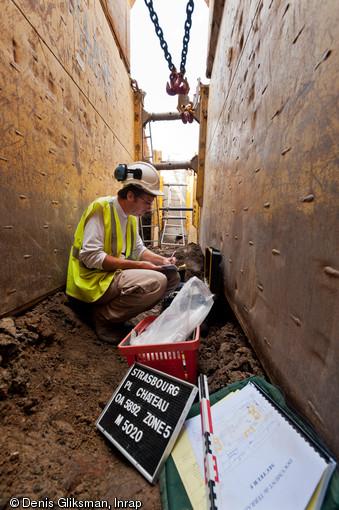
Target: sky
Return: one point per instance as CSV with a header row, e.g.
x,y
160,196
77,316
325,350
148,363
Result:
x,y
177,141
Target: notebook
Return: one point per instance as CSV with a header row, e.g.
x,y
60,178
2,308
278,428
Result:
x,y
265,460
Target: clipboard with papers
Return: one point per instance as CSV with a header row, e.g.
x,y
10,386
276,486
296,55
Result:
x,y
168,267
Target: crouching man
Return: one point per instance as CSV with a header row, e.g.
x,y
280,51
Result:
x,y
109,266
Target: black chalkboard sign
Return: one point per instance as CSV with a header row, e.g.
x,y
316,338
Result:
x,y
145,415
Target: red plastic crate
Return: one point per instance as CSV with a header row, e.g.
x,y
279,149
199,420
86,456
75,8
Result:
x,y
179,359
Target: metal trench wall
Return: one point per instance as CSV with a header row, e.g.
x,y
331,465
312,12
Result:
x,y
66,121
271,190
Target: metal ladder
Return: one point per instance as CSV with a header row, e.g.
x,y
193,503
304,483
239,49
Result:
x,y
142,226
155,210
167,218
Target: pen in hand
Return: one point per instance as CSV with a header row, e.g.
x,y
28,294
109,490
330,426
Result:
x,y
171,257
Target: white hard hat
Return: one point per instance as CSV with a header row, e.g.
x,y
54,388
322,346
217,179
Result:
x,y
147,179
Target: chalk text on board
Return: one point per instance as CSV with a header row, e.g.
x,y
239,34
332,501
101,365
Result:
x,y
129,405
152,399
157,425
155,381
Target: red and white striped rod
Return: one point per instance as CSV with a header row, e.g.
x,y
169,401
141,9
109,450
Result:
x,y
210,459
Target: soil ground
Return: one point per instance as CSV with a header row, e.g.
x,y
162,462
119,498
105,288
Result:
x,y
56,378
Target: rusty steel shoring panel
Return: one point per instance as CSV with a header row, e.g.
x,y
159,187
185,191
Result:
x,y
202,143
271,201
64,105
138,126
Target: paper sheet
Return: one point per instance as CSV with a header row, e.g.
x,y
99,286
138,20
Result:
x,y
189,471
188,467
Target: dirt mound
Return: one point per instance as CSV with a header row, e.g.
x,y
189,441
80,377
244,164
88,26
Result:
x,y
190,255
55,379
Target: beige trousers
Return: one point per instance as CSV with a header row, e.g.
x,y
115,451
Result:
x,y
131,292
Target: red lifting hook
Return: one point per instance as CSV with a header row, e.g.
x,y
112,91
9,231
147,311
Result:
x,y
177,85
170,86
187,117
181,85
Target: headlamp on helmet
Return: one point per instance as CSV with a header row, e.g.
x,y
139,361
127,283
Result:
x,y
141,174
121,173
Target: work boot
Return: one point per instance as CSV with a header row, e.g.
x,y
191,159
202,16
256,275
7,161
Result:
x,y
114,332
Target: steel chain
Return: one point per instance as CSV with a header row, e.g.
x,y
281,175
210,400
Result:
x,y
188,24
160,34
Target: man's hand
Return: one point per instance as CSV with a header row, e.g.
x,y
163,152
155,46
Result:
x,y
170,260
148,260
156,259
113,263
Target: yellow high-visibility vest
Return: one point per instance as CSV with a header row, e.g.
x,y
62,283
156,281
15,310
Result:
x,y
90,284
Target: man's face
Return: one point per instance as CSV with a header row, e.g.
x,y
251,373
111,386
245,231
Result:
x,y
141,204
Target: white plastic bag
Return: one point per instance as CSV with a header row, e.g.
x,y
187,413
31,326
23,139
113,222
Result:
x,y
187,310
